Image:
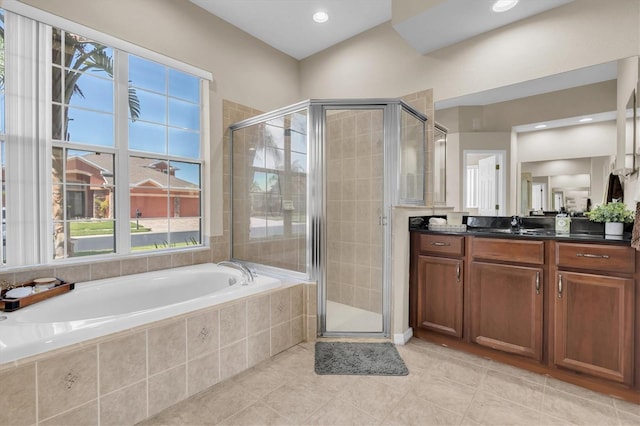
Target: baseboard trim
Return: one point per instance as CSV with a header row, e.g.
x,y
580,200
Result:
x,y
402,338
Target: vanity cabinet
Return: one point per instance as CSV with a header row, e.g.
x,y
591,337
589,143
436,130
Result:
x,y
439,284
506,292
594,310
565,307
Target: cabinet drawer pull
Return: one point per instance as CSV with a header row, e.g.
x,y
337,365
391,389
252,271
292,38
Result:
x,y
458,271
440,244
537,282
592,256
560,286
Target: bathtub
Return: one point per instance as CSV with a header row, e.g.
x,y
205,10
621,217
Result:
x,y
98,308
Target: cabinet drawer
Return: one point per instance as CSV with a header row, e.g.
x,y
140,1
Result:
x,y
519,251
447,245
596,257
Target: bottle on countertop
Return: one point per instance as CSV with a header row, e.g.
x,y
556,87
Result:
x,y
563,223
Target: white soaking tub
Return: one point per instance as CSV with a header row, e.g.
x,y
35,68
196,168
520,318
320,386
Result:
x,y
101,307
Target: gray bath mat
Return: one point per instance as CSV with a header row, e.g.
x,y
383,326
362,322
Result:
x,y
348,358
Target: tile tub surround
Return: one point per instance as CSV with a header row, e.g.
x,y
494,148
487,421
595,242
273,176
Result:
x,y
126,377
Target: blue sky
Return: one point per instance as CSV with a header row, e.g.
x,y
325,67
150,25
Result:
x,y
169,121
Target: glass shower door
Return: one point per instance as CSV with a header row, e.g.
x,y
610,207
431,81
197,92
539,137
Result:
x,y
354,182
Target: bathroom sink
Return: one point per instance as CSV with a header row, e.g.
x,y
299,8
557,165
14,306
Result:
x,y
490,230
536,232
533,231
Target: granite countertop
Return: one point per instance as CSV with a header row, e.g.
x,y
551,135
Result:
x,y
530,227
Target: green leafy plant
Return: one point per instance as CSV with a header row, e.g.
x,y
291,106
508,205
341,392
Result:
x,y
611,212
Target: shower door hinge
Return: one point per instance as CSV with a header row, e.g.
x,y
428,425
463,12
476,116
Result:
x,y
382,220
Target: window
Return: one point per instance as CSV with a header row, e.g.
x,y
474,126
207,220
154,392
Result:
x,y
164,145
82,115
119,159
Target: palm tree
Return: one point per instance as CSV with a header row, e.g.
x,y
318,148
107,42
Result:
x,y
77,55
80,55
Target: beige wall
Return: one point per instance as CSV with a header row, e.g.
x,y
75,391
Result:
x,y
380,63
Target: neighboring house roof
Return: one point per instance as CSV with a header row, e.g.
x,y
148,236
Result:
x,y
141,171
105,174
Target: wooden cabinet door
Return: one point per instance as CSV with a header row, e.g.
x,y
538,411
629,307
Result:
x,y
594,325
507,308
439,295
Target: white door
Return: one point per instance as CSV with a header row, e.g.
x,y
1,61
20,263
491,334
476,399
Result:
x,y
487,186
539,196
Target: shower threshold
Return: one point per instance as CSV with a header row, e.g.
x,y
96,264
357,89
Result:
x,y
345,318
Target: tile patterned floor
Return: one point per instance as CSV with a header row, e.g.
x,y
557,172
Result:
x,y
444,387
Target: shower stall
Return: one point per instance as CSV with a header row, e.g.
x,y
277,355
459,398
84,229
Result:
x,y
312,186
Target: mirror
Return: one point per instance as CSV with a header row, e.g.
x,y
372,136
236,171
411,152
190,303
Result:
x,y
559,132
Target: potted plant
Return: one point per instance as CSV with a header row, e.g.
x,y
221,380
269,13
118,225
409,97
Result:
x,y
614,215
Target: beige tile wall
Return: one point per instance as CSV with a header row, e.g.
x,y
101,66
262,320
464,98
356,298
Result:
x,y
354,204
126,377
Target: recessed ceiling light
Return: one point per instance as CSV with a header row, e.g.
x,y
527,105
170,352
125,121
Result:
x,y
321,17
586,119
504,5
540,126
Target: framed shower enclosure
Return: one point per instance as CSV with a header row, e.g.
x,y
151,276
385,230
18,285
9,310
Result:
x,y
312,187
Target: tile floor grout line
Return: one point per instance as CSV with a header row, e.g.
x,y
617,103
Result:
x,y
305,420
615,404
590,400
475,394
526,378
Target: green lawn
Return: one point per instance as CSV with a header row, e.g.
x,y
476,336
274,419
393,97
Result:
x,y
148,248
85,229
162,245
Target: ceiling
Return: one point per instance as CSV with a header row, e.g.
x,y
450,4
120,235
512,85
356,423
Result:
x,y
287,25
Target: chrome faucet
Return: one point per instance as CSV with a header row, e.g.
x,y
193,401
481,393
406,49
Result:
x,y
245,271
